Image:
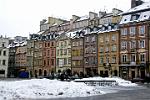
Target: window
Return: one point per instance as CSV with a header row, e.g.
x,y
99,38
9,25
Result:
x,y
123,45
48,62
101,60
48,52
52,62
57,52
124,58
87,39
0,52
132,31
57,44
52,43
106,49
73,44
3,44
141,30
133,58
101,50
93,38
65,61
69,60
48,44
52,53
101,39
61,44
114,48
81,42
2,71
133,44
142,44
65,51
4,62
114,37
142,57
69,51
124,31
107,39
114,59
61,52
86,60
65,43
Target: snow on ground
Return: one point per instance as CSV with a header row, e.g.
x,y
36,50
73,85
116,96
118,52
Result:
x,y
44,88
120,81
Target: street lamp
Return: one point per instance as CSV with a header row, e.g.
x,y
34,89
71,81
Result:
x,y
108,66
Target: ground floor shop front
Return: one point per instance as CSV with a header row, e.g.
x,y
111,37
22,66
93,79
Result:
x,y
134,71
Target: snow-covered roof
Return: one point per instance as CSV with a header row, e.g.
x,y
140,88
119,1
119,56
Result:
x,y
41,32
83,18
137,14
145,5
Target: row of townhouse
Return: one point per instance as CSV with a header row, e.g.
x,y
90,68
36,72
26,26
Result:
x,y
12,56
111,44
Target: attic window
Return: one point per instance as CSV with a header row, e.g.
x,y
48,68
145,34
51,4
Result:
x,y
125,19
145,15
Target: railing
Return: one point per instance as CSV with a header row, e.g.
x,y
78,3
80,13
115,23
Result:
x,y
99,82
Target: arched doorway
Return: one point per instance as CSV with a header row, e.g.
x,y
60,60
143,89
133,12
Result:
x,y
115,73
35,73
45,73
40,72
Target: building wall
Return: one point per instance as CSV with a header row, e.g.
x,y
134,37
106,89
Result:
x,y
77,59
4,56
90,54
108,53
63,54
49,49
137,65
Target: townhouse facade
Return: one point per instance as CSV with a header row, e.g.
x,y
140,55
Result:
x,y
49,55
21,58
63,52
4,56
134,42
108,51
77,53
90,52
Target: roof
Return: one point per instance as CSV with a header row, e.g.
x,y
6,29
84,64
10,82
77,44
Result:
x,y
137,14
144,6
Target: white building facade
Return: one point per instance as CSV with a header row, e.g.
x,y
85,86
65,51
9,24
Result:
x,y
4,55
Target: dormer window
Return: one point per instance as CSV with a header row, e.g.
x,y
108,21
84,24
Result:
x,y
125,19
135,17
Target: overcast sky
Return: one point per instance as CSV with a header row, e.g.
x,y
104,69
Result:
x,y
21,17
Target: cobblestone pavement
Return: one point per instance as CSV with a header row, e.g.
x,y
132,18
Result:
x,y
135,94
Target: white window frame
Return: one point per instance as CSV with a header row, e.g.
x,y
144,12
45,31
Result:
x,y
133,44
142,59
124,58
114,37
142,30
123,45
142,44
124,31
133,57
132,31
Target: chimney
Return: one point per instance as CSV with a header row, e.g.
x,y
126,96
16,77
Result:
x,y
135,3
92,15
116,11
74,18
101,14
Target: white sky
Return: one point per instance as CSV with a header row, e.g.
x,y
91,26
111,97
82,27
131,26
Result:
x,y
21,17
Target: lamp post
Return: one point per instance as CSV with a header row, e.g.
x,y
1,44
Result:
x,y
108,66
